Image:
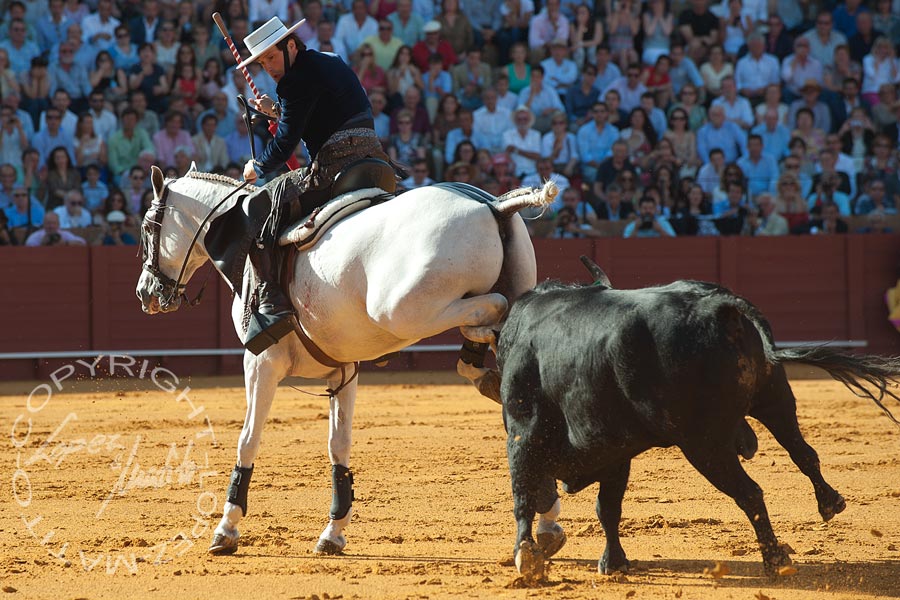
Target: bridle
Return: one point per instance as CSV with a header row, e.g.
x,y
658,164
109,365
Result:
x,y
169,290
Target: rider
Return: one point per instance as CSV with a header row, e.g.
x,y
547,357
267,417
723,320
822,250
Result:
x,y
321,102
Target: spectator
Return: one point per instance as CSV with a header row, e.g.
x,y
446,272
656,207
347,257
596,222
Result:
x,y
515,15
828,224
522,142
574,218
846,14
13,139
540,99
403,75
737,108
412,102
778,42
370,75
585,36
789,203
99,28
715,70
9,83
52,26
211,150
470,78
848,101
880,67
876,222
384,45
52,235
623,26
133,189
887,20
812,136
89,147
861,42
734,27
794,164
204,50
409,25
52,137
94,191
505,98
683,70
799,68
559,70
25,211
172,136
545,172
560,146
700,29
731,173
491,120
827,192
518,71
7,183
419,177
610,168
683,140
719,133
581,97
646,223
774,135
127,143
150,78
688,101
110,83
607,71
69,121
406,145
221,110
62,177
73,214
875,199
33,176
657,24
614,208
19,50
640,136
327,41
763,220
455,27
437,84
432,44
629,88
236,143
810,100
115,234
506,180
546,27
824,39
67,75
462,172
757,70
659,84
465,132
710,174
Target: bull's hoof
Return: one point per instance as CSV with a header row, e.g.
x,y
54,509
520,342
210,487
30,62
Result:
x,y
837,505
326,547
530,562
223,545
552,540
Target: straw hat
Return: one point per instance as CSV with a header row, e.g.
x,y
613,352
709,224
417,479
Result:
x,y
472,169
270,33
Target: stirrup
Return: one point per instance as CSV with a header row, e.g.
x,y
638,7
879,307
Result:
x,y
265,330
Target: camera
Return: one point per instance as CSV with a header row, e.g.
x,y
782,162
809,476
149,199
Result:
x,y
646,222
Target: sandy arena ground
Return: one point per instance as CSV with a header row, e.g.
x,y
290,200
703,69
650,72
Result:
x,y
433,510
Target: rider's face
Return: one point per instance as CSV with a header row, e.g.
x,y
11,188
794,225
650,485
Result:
x,y
272,60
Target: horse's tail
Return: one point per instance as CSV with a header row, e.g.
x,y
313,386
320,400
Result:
x,y
859,373
516,200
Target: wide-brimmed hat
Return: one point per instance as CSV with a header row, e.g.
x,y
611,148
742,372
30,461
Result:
x,y
115,216
472,169
432,27
267,35
810,84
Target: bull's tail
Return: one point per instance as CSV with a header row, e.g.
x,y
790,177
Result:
x,y
860,373
516,200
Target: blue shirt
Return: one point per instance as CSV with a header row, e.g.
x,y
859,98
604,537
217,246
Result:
x,y
605,79
578,103
775,143
593,145
94,196
686,72
760,176
456,136
43,142
50,33
648,233
17,219
20,59
729,138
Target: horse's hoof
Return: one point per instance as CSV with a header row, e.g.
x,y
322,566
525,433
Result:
x,y
326,547
837,506
223,544
552,540
530,562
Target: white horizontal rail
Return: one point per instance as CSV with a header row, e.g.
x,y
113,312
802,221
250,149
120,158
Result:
x,y
413,348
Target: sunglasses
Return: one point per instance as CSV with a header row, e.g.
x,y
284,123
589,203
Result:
x,y
678,118
20,195
384,28
76,203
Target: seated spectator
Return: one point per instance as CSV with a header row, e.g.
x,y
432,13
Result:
x,y
762,219
789,203
658,82
812,136
133,188
419,177
631,186
150,78
617,117
756,71
408,24
700,29
210,148
683,70
875,198
559,70
810,100
876,222
722,134
545,172
326,40
737,108
471,78
714,71
406,145
13,139
640,136
51,234
19,50
710,174
371,76
126,144
827,164
62,177
655,115
491,120
515,16
610,168
586,35
887,20
595,141
574,218
63,103
402,75
580,97
623,25
793,164
436,84
455,27
657,24
94,190
778,41
826,192
646,223
824,39
614,208
732,173
522,142
829,223
799,68
502,170
73,214
382,121
432,44
691,215
880,67
842,70
384,45
607,71
99,27
116,202
52,137
540,99
173,135
124,52
65,74
462,172
688,100
629,88
730,215
235,143
412,103
760,169
89,147
683,140
772,101
560,146
147,119
19,214
856,137
115,233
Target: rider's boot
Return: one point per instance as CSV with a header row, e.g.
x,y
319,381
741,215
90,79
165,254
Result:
x,y
274,318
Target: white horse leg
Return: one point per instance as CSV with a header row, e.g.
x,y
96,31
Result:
x,y
550,535
340,423
261,377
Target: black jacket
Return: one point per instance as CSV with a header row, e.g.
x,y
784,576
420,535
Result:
x,y
318,94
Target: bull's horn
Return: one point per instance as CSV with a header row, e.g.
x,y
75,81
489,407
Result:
x,y
597,273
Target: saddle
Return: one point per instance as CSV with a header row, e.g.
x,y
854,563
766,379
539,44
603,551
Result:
x,y
363,183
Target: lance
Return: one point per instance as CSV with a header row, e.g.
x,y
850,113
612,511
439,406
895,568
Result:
x,y
292,162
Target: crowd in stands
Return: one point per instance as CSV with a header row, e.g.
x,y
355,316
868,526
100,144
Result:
x,y
680,117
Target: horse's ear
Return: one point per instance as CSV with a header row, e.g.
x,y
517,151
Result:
x,y
193,167
157,179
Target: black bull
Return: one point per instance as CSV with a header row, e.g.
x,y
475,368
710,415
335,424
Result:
x,y
592,377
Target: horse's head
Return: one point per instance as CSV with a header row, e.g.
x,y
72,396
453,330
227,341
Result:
x,y
167,236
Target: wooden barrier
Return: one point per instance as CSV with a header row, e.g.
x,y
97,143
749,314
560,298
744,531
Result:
x,y
810,288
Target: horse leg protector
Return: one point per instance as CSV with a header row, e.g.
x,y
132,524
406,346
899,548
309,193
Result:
x,y
341,491
473,353
240,485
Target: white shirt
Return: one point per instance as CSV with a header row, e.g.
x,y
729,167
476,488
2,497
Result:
x,y
510,101
756,74
562,183
740,112
559,77
531,143
491,125
105,124
631,98
568,152
91,25
874,77
67,221
351,35
546,98
263,10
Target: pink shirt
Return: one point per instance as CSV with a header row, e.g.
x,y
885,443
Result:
x,y
166,146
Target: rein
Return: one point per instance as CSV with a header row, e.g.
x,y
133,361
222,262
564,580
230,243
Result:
x,y
153,230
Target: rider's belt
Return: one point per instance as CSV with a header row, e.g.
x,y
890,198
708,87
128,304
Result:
x,y
343,134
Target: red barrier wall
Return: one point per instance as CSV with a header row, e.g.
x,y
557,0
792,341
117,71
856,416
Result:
x,y
810,288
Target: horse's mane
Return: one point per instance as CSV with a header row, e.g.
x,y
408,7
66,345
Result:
x,y
214,177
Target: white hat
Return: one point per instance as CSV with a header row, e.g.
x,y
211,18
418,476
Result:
x,y
115,216
266,36
431,27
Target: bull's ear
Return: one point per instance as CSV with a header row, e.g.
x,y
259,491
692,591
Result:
x,y
597,273
158,180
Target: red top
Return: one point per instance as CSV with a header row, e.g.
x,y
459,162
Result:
x,y
421,53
